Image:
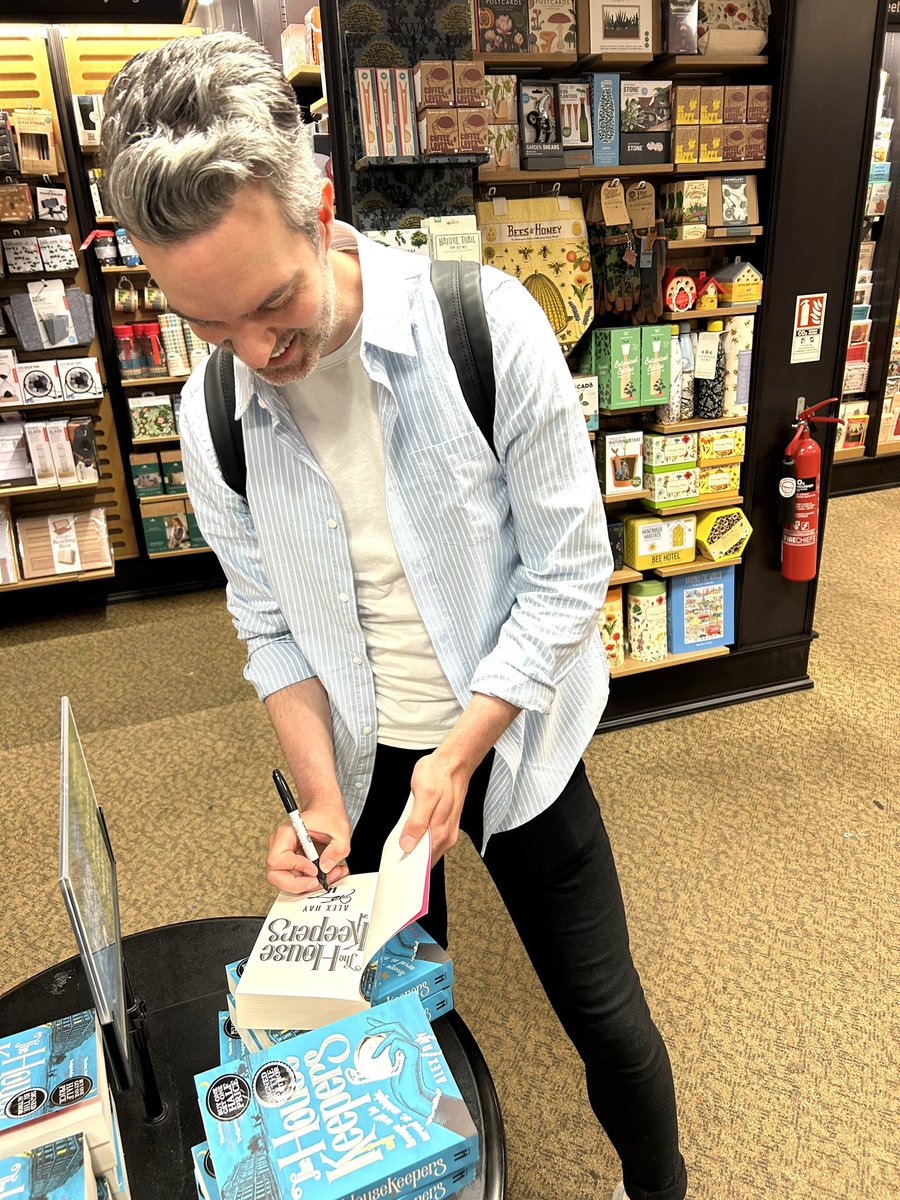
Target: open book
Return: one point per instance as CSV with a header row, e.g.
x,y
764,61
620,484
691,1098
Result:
x,y
307,965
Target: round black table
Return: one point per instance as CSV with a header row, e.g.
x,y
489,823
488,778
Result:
x,y
178,971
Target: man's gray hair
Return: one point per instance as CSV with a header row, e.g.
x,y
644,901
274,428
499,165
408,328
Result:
x,y
188,125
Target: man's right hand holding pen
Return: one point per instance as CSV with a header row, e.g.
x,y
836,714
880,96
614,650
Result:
x,y
288,867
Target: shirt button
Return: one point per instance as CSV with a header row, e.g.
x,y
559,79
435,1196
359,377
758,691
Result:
x,y
331,523
367,728
343,597
356,660
359,787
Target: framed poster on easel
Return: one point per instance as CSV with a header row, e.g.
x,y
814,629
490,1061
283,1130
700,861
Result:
x,y
87,880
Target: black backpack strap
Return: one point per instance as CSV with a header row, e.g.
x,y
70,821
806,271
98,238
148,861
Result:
x,y
458,289
226,432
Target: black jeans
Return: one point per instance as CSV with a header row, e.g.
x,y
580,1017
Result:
x,y
558,880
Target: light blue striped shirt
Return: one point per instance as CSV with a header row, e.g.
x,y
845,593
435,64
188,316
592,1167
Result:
x,y
508,560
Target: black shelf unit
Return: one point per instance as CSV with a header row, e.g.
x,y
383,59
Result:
x,y
874,471
774,618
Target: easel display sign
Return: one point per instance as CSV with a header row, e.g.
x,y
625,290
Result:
x,y
87,879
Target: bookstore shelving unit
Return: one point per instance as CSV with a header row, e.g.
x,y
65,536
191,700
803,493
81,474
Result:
x,y
876,463
774,618
26,80
85,58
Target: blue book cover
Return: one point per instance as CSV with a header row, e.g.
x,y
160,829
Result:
x,y
362,1107
53,1085
203,1169
233,972
56,1171
230,1044
411,960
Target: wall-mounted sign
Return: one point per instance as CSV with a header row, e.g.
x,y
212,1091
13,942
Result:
x,y
809,321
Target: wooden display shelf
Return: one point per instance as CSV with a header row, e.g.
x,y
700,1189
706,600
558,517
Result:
x,y
156,441
633,666
51,406
849,453
886,449
514,175
721,168
625,575
713,314
150,381
306,75
163,498
141,270
626,170
610,61
69,489
427,160
679,245
181,553
624,412
573,174
525,62
67,577
676,510
319,106
624,497
690,426
699,564
705,64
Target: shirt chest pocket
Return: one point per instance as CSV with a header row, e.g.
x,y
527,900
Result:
x,y
460,489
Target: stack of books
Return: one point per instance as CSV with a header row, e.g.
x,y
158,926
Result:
x,y
59,1135
411,962
357,1109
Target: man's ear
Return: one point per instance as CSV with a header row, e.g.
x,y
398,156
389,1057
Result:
x,y
326,216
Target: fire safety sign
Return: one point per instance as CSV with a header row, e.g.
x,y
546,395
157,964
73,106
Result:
x,y
809,321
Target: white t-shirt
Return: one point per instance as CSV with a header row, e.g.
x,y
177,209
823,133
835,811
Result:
x,y
336,410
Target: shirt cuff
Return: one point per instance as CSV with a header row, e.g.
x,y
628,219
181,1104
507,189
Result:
x,y
506,683
275,664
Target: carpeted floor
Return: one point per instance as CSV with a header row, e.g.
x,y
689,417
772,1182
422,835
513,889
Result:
x,y
757,850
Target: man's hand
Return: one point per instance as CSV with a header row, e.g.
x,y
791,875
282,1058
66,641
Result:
x,y
439,787
291,871
441,780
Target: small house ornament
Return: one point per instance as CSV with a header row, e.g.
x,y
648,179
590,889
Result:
x,y
709,291
741,283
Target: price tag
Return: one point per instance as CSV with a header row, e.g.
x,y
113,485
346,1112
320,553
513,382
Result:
x,y
641,202
705,358
612,199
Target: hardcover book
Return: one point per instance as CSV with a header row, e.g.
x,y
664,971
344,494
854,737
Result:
x,y
53,1085
410,961
364,1108
307,965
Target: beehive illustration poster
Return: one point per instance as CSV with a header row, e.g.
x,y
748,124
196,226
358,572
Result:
x,y
543,243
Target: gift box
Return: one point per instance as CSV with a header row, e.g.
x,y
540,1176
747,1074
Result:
x,y
723,533
700,612
664,450
620,459
653,541
671,486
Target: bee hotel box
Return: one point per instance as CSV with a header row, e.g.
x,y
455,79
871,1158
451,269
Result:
x,y
659,541
723,533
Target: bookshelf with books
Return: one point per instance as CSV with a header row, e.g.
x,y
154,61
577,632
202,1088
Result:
x,y
64,510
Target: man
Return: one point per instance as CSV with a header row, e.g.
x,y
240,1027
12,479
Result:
x,y
419,614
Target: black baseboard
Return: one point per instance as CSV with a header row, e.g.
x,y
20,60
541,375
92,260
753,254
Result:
x,y
756,673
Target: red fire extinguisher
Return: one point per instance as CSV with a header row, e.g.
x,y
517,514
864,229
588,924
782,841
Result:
x,y
799,491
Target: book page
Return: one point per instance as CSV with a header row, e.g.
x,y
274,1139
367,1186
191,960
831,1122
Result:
x,y
403,879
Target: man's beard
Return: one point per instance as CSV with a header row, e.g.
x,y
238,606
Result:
x,y
310,341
